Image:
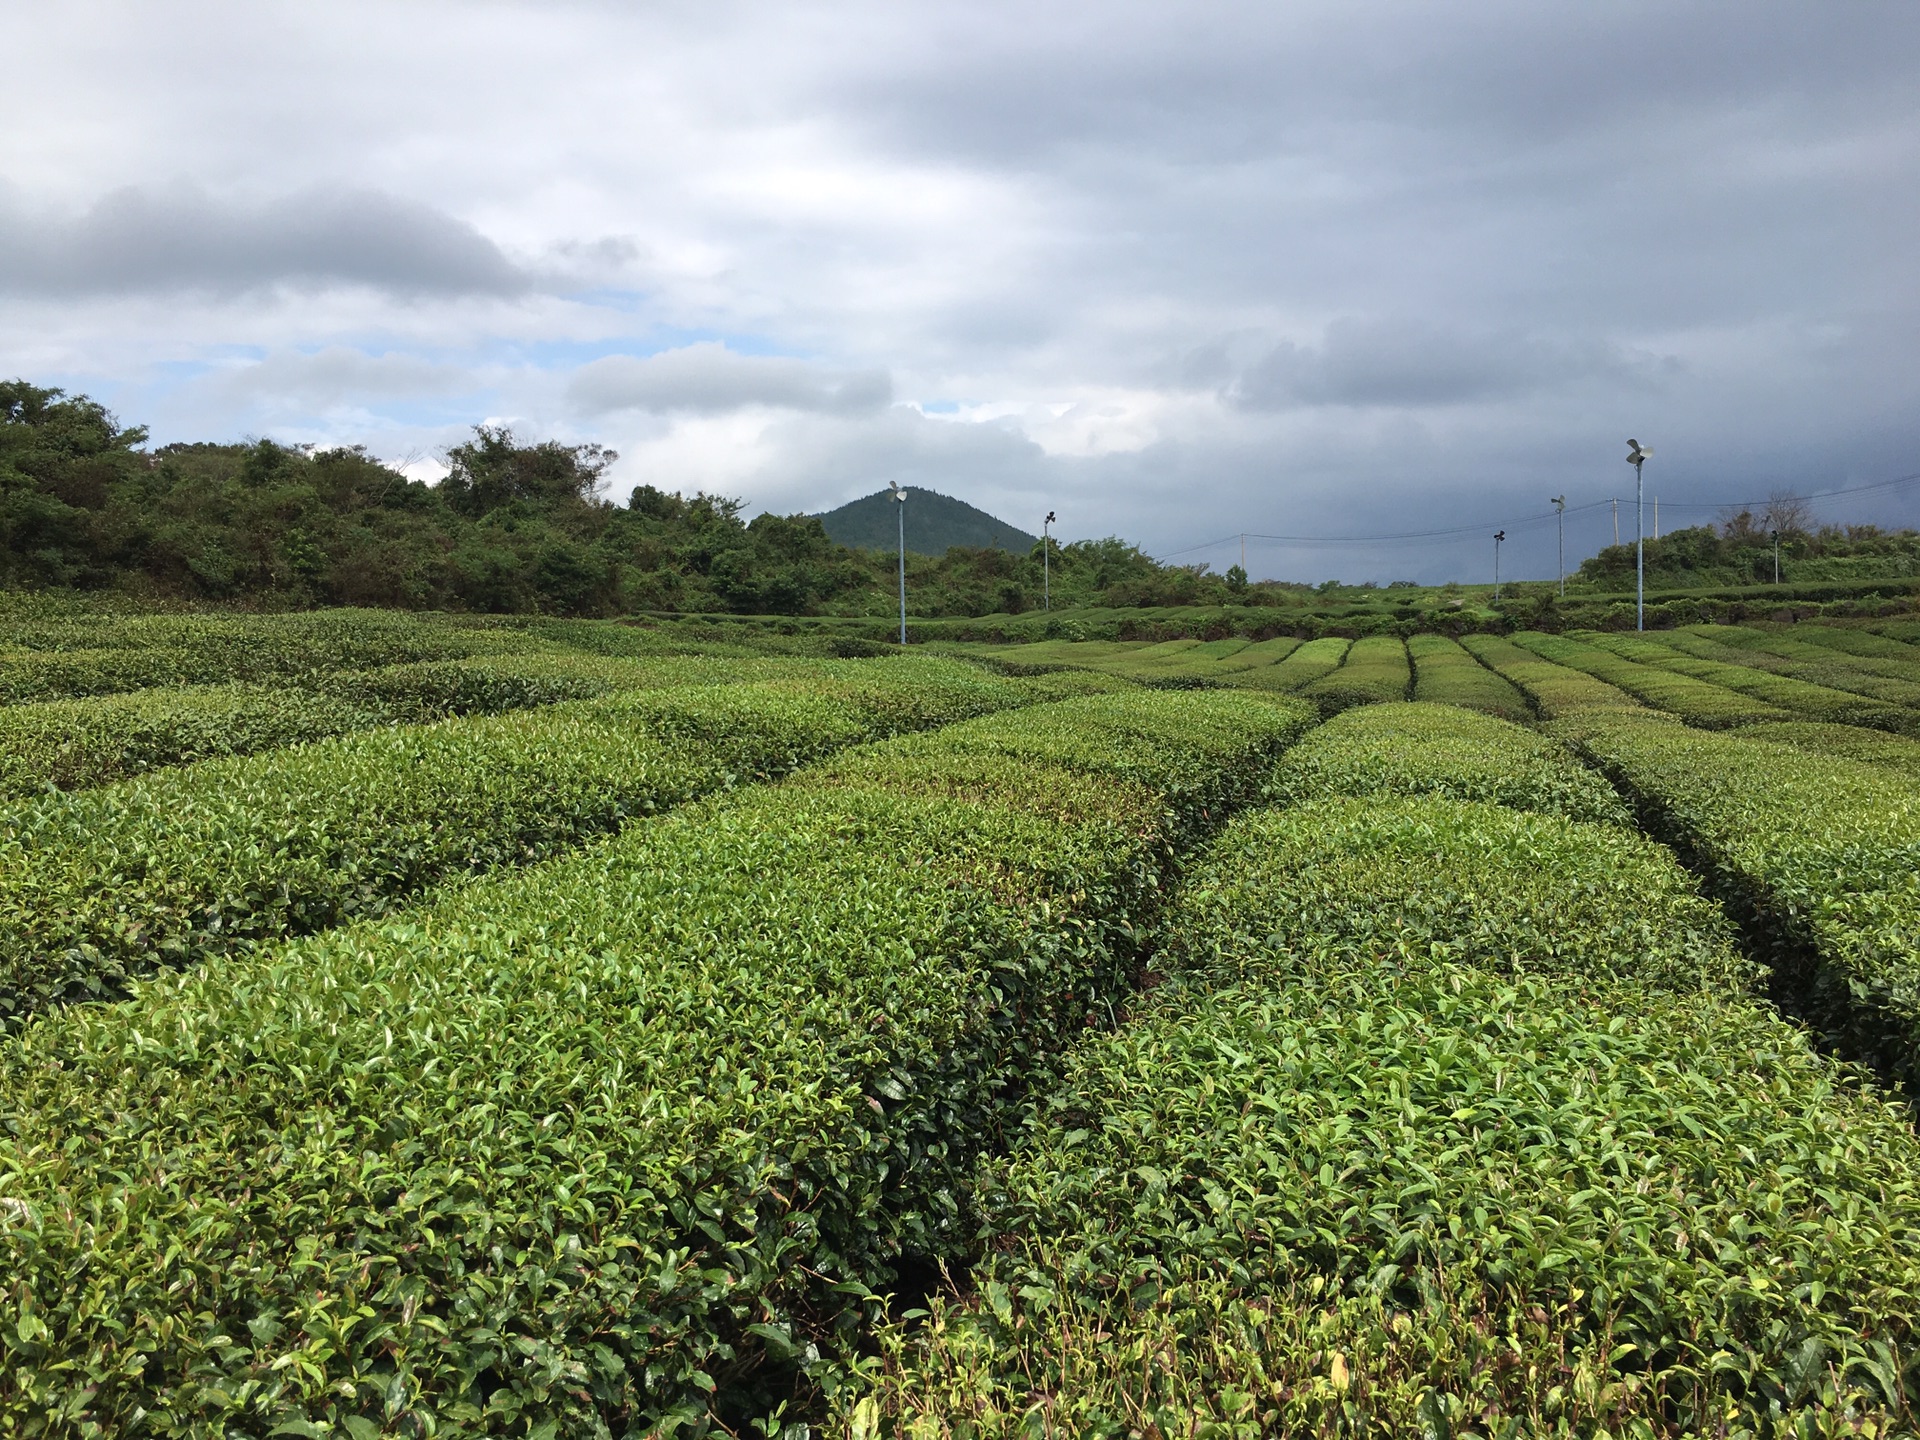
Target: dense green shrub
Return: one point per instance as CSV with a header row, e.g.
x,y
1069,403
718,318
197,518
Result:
x,y
1554,690
1300,667
1817,854
1795,697
1375,671
1446,674
1785,653
1894,752
1695,701
604,1145
1421,749
180,865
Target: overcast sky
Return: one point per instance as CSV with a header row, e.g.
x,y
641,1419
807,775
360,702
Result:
x,y
1175,272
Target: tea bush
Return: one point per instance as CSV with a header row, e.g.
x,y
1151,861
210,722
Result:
x,y
1695,701
177,866
1554,690
615,1144
1375,671
1446,674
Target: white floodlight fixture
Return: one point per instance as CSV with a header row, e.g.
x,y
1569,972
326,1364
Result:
x,y
1638,455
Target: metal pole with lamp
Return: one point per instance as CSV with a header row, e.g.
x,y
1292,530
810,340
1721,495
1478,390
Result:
x,y
1046,563
1560,506
1637,456
1498,536
901,496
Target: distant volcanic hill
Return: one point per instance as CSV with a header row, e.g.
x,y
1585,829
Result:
x,y
935,522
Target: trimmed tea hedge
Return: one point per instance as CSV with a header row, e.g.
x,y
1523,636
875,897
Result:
x,y
1375,672
1419,749
1446,674
1348,1174
1449,1203
609,1144
1301,666
177,866
74,744
1697,702
1819,856
1796,698
1890,680
1875,747
1554,690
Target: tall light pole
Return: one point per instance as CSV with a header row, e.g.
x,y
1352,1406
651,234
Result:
x,y
1498,536
1046,563
1560,507
1776,557
901,496
1636,457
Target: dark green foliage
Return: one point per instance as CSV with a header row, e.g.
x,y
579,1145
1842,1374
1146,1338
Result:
x,y
935,524
1818,855
1374,671
599,1145
1446,674
1421,749
180,866
1741,553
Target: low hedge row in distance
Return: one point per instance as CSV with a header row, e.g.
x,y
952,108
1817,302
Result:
x,y
1450,1120
1301,666
182,865
1447,674
617,1144
1421,749
1797,698
74,744
1554,690
1875,747
1890,680
1375,671
1818,855
1695,701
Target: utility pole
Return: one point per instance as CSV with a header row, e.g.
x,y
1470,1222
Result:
x,y
1243,552
1560,509
1637,456
901,496
1776,557
1046,563
1656,517
1616,522
1498,536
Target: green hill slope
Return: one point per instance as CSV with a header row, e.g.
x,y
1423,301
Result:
x,y
934,522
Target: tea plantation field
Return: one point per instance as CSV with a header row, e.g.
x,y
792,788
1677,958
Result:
x,y
445,1026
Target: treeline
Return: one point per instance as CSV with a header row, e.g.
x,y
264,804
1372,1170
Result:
x,y
1741,551
513,528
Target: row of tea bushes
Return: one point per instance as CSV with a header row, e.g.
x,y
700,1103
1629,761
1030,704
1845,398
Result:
x,y
1798,699
1819,855
1300,667
615,1144
180,865
1893,681
1450,1119
1446,674
109,655
1553,690
74,744
1695,701
1422,749
1893,752
1375,671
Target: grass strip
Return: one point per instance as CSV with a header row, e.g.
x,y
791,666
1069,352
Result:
x,y
1553,690
609,1145
1698,702
1446,674
1420,749
1817,855
183,865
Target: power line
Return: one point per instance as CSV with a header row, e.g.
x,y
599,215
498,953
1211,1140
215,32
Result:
x,y
1524,520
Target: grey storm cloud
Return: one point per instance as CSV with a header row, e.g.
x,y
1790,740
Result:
x,y
708,379
182,238
1411,364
